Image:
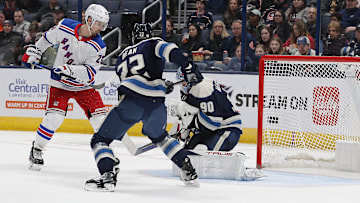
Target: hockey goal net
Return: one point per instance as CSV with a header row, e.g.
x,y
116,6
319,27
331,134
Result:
x,y
306,104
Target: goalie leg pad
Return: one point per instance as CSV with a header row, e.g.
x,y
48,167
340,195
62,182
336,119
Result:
x,y
221,165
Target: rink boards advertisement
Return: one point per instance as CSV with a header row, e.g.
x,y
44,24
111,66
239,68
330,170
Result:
x,y
24,91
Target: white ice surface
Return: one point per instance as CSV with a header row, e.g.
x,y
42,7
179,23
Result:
x,y
146,178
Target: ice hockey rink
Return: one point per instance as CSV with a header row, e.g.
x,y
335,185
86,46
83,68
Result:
x,y
148,177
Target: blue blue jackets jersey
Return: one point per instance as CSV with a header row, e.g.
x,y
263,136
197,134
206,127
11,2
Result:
x,y
140,68
215,109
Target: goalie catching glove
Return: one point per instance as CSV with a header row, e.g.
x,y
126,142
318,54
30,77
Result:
x,y
32,54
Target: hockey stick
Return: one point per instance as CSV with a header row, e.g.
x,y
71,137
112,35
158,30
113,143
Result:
x,y
130,145
98,86
133,149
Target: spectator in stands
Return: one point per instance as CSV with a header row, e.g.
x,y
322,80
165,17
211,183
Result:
x,y
336,6
269,11
298,29
235,39
213,50
33,29
216,6
251,4
21,25
192,40
232,13
10,40
253,64
335,41
311,21
170,35
29,6
9,10
235,62
276,46
255,23
303,44
58,14
2,19
353,47
298,11
45,15
336,17
265,36
281,27
350,17
200,16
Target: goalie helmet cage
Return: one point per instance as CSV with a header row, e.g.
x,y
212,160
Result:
x,y
306,103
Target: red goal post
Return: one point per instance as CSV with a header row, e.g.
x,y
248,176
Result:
x,y
305,104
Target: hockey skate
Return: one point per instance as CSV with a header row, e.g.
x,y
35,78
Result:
x,y
35,158
104,183
188,174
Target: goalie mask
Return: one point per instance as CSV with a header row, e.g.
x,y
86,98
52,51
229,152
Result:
x,y
141,32
185,86
97,13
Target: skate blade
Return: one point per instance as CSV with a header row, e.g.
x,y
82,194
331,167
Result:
x,y
35,167
191,183
95,188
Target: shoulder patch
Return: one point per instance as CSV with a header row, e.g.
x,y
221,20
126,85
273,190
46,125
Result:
x,y
70,23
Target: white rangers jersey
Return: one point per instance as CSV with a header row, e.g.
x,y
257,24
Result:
x,y
83,54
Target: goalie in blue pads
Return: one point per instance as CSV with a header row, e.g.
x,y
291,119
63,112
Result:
x,y
207,111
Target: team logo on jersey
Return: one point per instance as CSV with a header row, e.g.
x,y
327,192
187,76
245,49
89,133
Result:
x,y
227,89
326,105
56,103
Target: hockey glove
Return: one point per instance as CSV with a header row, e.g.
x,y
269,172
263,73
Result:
x,y
65,70
192,74
32,54
169,86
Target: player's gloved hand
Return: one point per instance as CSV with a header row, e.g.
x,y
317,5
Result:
x,y
32,54
192,74
183,134
64,69
169,86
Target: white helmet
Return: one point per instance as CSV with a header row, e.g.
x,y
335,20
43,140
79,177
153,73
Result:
x,y
97,13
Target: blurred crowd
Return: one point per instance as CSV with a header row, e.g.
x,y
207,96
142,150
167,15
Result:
x,y
213,35
16,32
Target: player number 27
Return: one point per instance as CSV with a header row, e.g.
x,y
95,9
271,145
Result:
x,y
207,106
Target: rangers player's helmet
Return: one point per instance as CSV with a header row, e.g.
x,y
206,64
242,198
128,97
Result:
x,y
97,13
141,32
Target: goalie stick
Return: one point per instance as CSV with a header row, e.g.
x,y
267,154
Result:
x,y
98,86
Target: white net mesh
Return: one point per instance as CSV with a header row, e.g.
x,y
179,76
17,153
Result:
x,y
307,107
